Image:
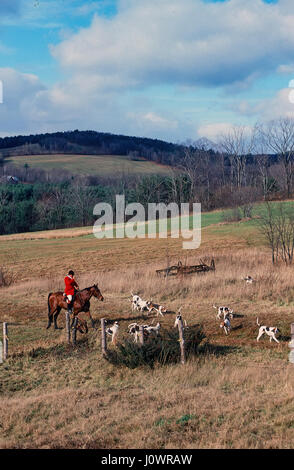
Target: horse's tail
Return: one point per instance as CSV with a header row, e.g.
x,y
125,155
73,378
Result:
x,y
49,308
49,312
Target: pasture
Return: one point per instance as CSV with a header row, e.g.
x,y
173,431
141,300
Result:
x,y
236,393
101,165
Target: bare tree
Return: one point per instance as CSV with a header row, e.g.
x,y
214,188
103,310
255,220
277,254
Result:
x,y
244,199
177,186
238,143
83,203
277,225
263,170
278,136
195,165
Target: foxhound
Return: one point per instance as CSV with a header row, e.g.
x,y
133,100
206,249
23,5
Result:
x,y
113,331
223,311
160,309
271,331
248,279
226,325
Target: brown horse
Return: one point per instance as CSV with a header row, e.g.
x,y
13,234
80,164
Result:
x,y
81,303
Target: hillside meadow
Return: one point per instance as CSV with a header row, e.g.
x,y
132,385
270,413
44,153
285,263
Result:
x,y
101,165
235,393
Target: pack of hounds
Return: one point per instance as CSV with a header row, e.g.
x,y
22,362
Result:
x,y
224,313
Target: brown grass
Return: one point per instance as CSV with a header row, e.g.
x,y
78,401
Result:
x,y
212,403
239,394
104,165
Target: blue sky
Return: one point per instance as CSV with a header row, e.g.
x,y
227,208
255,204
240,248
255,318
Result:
x,y
169,69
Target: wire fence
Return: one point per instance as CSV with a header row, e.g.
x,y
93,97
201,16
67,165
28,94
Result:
x,y
71,338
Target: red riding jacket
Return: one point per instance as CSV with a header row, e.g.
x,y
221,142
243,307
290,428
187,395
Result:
x,y
70,285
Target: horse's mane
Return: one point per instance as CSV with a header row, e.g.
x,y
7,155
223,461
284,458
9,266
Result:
x,y
87,288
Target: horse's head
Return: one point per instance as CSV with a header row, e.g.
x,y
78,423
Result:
x,y
96,292
82,326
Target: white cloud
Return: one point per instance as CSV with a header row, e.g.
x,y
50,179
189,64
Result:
x,y
29,107
279,105
215,130
153,43
19,91
188,42
159,120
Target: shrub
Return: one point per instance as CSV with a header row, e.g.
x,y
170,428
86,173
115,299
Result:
x,y
6,277
163,349
234,215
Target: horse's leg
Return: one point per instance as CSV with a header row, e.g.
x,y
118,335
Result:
x,y
50,319
55,317
90,318
74,316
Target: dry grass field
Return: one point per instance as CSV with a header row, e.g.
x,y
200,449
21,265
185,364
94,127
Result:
x,y
103,165
236,393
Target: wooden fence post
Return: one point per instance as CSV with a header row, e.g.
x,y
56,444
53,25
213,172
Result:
x,y
68,327
74,333
182,340
291,345
5,341
103,338
141,335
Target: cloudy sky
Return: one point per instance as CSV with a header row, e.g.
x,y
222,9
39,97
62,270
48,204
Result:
x,y
168,69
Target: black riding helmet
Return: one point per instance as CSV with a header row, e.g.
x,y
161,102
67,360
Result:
x,y
71,273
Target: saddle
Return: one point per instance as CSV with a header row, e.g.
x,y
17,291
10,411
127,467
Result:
x,y
73,297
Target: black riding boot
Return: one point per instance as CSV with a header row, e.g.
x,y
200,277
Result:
x,y
69,308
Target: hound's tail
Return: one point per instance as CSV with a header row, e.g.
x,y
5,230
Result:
x,y
257,321
214,306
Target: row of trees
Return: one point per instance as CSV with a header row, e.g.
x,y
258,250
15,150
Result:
x,y
28,207
45,206
260,158
247,165
91,142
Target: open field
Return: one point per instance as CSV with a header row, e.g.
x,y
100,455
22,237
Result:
x,y
101,165
236,393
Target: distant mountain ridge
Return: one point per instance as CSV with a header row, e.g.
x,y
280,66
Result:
x,y
90,139
97,143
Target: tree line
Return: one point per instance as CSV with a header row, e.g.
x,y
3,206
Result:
x,y
248,165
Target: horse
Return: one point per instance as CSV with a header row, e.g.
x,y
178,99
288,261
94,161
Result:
x,y
81,303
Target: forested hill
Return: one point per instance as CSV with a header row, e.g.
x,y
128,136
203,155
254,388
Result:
x,y
91,142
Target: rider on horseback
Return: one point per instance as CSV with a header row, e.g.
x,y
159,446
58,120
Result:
x,y
69,291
